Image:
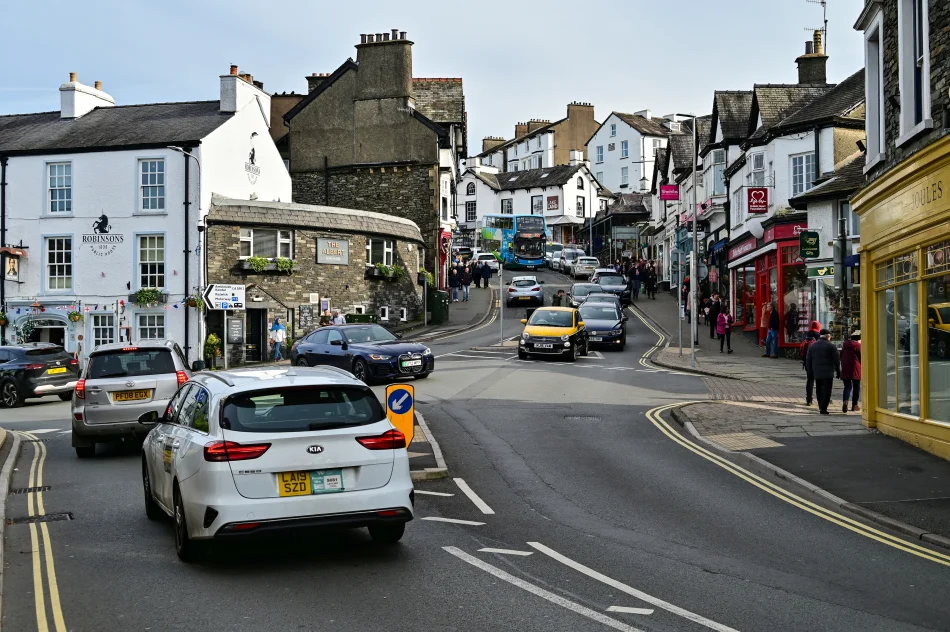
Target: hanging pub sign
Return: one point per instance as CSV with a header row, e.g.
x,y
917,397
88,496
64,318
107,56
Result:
x,y
669,192
808,244
11,268
758,199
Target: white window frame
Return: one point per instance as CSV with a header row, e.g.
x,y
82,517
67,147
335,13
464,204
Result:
x,y
59,188
613,130
737,209
908,60
852,225
103,329
59,263
403,314
600,176
600,153
384,312
624,176
285,238
580,183
508,206
874,92
624,149
471,212
581,206
150,252
151,191
246,236
470,188
756,177
807,175
540,204
149,326
388,247
657,146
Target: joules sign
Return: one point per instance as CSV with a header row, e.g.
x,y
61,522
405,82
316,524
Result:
x,y
758,199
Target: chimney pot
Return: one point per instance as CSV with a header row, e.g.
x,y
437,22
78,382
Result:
x,y
385,37
402,35
234,69
395,34
98,85
809,48
818,46
369,38
362,38
379,37
72,77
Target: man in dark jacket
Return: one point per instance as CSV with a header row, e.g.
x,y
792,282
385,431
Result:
x,y
715,306
824,362
771,338
486,274
466,280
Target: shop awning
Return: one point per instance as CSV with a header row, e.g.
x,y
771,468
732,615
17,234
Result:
x,y
752,255
565,219
719,245
12,250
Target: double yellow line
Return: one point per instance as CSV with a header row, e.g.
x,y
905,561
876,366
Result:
x,y
660,339
36,498
790,498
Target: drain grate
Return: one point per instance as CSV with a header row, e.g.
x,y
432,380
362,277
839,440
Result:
x,y
27,490
55,517
581,418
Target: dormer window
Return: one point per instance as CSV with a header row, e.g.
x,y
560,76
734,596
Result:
x,y
580,184
470,189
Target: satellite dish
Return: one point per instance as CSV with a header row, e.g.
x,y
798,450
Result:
x,y
755,227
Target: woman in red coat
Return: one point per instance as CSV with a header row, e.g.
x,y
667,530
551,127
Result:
x,y
851,372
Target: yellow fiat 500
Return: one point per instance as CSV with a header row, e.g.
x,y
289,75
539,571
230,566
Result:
x,y
553,331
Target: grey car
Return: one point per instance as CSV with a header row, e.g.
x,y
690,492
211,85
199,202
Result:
x,y
604,298
579,292
614,283
121,382
524,289
568,256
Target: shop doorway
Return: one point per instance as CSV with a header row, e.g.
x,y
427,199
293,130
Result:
x,y
762,307
254,339
49,330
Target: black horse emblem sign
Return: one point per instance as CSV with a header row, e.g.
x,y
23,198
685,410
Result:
x,y
101,226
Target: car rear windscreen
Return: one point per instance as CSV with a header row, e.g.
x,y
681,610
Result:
x,y
524,283
299,409
610,279
130,363
46,354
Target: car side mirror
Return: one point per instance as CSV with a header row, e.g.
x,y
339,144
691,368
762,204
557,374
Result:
x,y
540,282
336,343
150,418
580,323
524,321
931,322
197,365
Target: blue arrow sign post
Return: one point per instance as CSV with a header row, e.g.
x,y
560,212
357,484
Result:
x,y
400,408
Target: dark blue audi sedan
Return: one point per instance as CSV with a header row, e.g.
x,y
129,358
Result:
x,y
369,352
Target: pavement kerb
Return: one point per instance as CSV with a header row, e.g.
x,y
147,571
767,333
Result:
x,y
463,329
761,466
430,473
5,476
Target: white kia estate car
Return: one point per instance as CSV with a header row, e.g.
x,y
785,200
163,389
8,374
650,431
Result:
x,y
264,451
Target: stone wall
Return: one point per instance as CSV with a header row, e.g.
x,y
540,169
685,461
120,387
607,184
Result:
x,y
939,62
407,191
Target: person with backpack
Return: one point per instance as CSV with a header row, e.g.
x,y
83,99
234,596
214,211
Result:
x,y
851,372
724,322
810,336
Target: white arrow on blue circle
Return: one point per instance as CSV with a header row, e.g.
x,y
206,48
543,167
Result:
x,y
397,405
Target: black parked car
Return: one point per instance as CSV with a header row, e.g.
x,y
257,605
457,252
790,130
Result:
x,y
36,369
606,325
369,352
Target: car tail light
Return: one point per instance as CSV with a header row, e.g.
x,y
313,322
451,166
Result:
x,y
242,526
81,388
77,416
220,451
390,513
182,377
35,366
389,440
73,362
130,348
536,289
511,289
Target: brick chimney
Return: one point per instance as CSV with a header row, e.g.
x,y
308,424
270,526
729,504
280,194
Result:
x,y
239,90
76,99
579,110
315,80
534,124
520,129
812,65
490,142
385,62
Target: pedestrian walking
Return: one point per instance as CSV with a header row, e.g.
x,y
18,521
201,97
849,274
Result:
x,y
466,281
651,282
486,274
824,362
634,283
715,307
851,372
771,338
277,336
791,324
724,322
685,295
454,283
558,299
477,274
338,318
810,336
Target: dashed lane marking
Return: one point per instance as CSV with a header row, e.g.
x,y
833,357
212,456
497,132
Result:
x,y
506,552
454,521
428,493
540,592
42,431
472,496
626,610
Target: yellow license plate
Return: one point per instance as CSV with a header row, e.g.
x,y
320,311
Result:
x,y
129,396
294,483
61,369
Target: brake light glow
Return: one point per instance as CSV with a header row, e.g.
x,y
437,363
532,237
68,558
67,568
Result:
x,y
182,377
35,366
389,440
81,388
511,289
130,348
221,451
73,362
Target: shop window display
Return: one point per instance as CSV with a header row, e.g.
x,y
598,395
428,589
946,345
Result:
x,y
938,331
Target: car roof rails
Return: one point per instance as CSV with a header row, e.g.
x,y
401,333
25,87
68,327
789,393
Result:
x,y
224,378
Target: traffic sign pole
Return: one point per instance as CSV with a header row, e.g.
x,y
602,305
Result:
x,y
225,340
401,409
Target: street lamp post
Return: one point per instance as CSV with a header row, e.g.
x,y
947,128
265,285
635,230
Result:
x,y
693,267
200,223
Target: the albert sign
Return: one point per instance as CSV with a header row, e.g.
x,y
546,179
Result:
x,y
222,296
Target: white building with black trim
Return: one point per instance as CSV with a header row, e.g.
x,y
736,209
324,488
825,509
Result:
x,y
102,211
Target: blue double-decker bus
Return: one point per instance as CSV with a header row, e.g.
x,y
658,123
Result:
x,y
516,240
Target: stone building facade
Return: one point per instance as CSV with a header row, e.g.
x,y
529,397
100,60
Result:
x,y
314,237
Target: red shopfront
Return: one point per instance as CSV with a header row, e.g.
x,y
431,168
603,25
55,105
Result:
x,y
769,271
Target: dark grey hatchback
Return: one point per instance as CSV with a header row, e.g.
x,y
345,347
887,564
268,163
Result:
x,y
35,370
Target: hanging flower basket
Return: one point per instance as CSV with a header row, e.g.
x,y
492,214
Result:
x,y
4,321
75,316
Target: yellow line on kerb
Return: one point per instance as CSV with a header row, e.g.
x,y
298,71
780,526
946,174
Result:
x,y
790,498
644,359
36,480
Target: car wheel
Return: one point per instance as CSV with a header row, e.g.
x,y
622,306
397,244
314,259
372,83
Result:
x,y
359,370
302,362
86,451
10,395
522,355
942,349
152,510
65,396
586,348
572,354
188,550
387,533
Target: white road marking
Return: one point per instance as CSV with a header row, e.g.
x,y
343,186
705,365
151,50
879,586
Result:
x,y
506,551
613,583
43,430
454,521
462,355
65,432
428,493
487,351
472,496
626,610
540,592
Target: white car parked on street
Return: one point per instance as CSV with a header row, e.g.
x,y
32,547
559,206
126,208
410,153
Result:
x,y
266,451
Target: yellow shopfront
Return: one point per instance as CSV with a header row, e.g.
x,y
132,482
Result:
x,y
905,268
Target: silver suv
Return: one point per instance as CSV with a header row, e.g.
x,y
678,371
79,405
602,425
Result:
x,y
121,382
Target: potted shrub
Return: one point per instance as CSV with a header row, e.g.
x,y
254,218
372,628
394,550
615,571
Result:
x,y
213,348
286,265
257,264
4,321
385,271
75,316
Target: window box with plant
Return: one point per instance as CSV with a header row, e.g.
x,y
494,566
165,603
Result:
x,y
148,296
424,277
259,265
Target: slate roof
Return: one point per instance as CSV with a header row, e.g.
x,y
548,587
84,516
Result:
x,y
440,100
845,181
153,124
533,178
630,203
340,220
681,145
732,109
838,102
774,102
650,127
508,143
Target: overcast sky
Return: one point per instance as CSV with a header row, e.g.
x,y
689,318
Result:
x,y
518,60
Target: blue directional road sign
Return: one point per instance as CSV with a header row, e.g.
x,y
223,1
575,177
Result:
x,y
400,408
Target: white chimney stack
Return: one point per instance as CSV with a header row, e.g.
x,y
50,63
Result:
x,y
576,157
239,90
76,99
647,114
